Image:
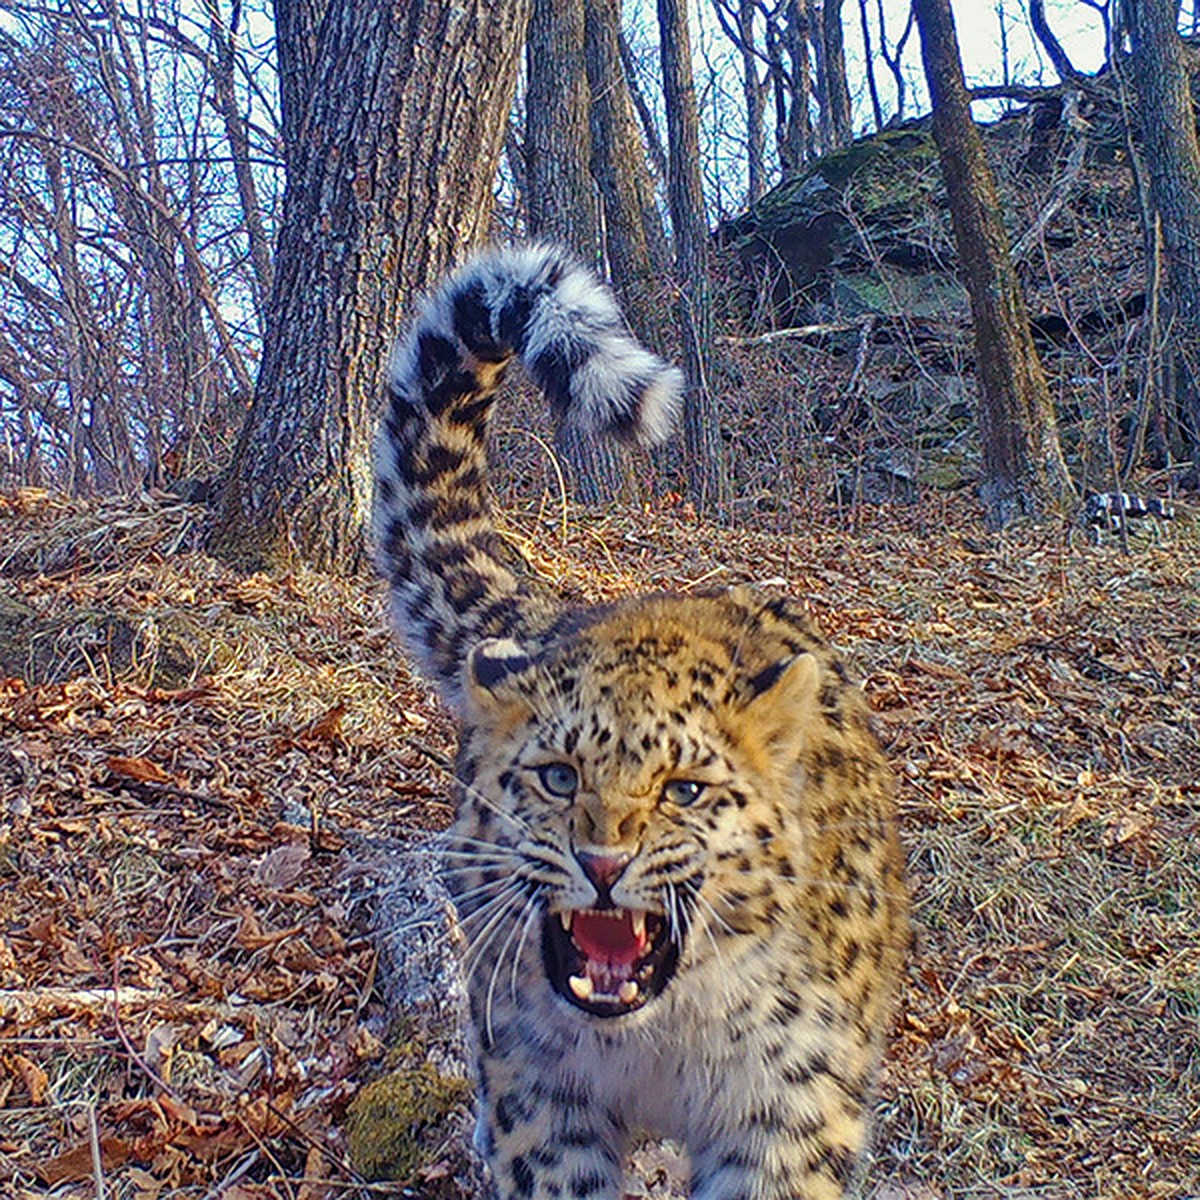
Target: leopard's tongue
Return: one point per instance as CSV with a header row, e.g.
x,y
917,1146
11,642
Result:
x,y
617,937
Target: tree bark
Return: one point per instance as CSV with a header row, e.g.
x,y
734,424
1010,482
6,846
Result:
x,y
621,174
1023,469
1168,123
704,451
792,87
393,120
868,54
561,196
836,124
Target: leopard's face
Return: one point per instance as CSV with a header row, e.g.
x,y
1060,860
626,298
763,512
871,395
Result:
x,y
631,807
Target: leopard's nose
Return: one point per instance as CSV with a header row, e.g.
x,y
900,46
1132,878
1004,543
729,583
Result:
x,y
602,869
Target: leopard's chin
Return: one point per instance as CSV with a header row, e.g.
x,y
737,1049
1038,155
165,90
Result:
x,y
609,962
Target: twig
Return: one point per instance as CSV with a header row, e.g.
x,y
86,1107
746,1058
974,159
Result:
x,y
97,1157
799,331
398,1188
18,1003
558,471
130,1049
862,357
239,1169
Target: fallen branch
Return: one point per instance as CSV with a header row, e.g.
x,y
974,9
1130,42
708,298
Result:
x,y
800,331
1062,190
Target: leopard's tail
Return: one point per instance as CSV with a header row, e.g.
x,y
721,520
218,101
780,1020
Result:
x,y
453,582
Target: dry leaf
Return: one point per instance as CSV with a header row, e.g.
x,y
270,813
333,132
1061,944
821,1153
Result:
x,y
31,1075
327,727
283,866
141,769
148,1186
76,1164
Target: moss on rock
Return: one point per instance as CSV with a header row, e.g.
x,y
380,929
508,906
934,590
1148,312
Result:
x,y
397,1124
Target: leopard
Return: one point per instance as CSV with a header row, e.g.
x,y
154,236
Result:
x,y
674,857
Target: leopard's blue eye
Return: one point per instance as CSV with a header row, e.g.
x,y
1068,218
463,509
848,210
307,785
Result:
x,y
559,779
682,792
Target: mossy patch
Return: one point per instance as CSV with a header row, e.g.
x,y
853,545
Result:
x,y
397,1124
162,649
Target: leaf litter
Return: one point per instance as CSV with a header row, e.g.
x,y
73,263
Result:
x,y
189,998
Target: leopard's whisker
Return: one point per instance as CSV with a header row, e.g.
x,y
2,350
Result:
x,y
716,916
476,794
516,962
518,924
461,839
482,917
486,933
482,889
674,928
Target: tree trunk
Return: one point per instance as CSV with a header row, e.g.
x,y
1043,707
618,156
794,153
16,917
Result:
x,y
654,146
704,451
752,90
792,86
1168,123
869,56
223,40
562,198
656,238
391,149
1023,469
621,174
738,23
835,116
894,58
1053,47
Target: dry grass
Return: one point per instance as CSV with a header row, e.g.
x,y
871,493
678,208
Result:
x,y
178,825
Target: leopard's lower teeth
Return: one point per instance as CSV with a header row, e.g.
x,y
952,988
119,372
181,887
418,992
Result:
x,y
628,991
582,986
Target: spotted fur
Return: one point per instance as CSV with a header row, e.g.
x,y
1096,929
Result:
x,y
677,798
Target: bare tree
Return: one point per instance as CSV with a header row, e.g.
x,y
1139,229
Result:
x,y
1053,47
561,195
391,149
737,18
634,240
791,81
894,57
703,448
1168,125
832,89
864,24
1023,469
654,146
223,40
123,256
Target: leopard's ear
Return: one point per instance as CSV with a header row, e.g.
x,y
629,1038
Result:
x,y
491,671
778,703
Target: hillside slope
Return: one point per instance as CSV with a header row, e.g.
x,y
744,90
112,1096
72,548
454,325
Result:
x,y
197,769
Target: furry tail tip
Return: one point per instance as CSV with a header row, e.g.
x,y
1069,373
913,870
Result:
x,y
541,304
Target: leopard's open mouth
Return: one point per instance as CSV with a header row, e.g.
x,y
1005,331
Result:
x,y
608,961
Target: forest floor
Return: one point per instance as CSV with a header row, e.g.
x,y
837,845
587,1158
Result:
x,y
192,762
